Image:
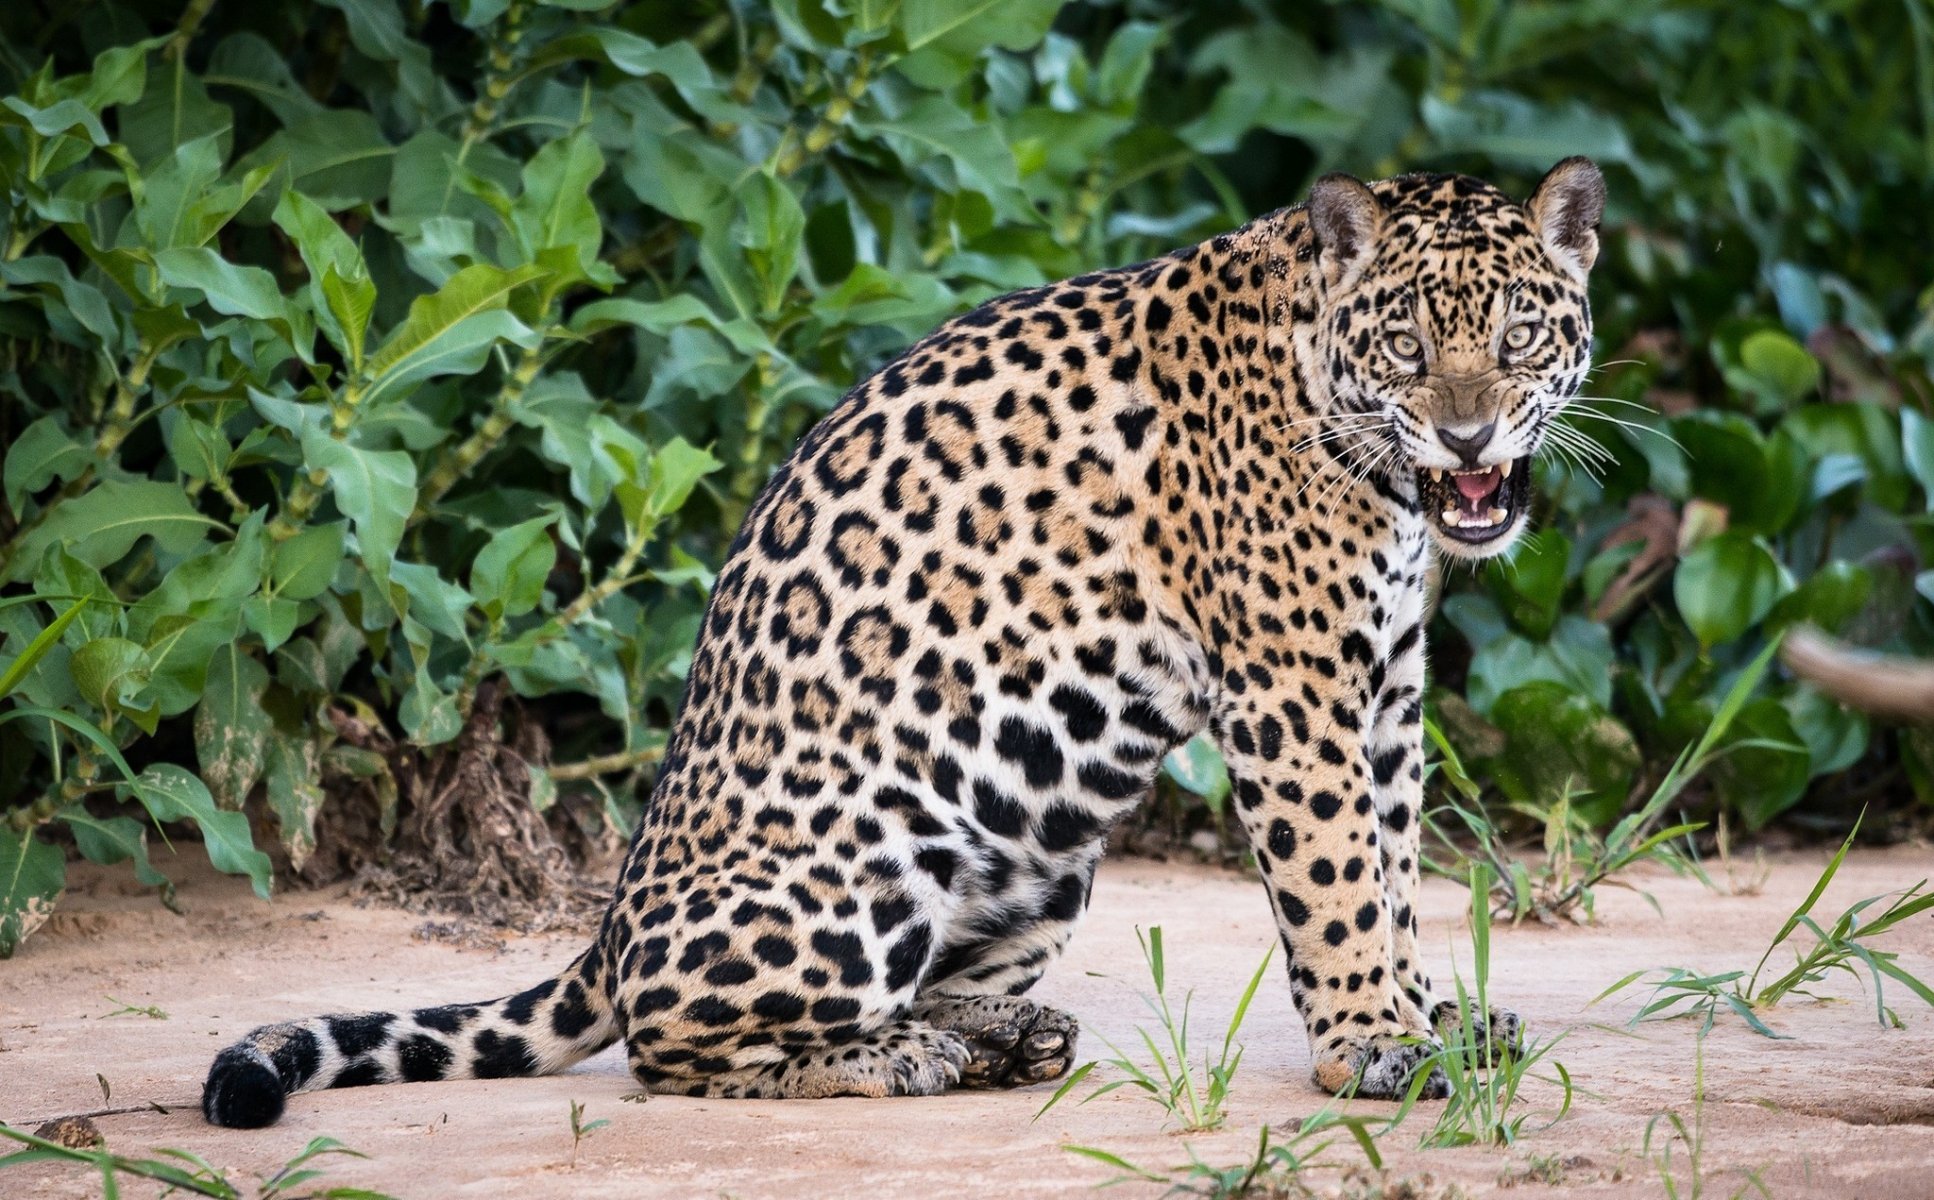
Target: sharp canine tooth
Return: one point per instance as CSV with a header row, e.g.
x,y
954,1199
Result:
x,y
1496,516
1450,516
1504,469
1436,475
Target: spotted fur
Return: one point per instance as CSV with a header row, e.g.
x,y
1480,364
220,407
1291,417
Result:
x,y
983,598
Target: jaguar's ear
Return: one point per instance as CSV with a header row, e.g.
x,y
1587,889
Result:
x,y
1565,210
1345,216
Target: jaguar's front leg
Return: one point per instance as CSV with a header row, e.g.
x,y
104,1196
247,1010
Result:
x,y
1302,773
1396,756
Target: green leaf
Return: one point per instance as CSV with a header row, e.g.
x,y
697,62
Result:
x,y
101,526
1531,582
1726,584
1577,655
509,572
972,26
171,793
237,291
37,649
675,470
1560,741
231,727
167,204
1917,446
1764,765
337,273
934,132
1775,369
32,877
109,671
302,567
1197,767
44,452
110,840
556,209
292,778
452,330
375,489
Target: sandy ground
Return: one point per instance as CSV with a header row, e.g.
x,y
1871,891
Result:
x,y
1844,1109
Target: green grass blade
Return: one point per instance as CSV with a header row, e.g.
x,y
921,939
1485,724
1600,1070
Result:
x,y
37,649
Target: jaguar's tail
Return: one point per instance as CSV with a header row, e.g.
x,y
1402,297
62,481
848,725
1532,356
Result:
x,y
535,1032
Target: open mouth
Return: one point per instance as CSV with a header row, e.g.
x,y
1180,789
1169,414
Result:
x,y
1476,506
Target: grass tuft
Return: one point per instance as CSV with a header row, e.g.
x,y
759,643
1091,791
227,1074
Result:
x,y
1196,1102
1844,947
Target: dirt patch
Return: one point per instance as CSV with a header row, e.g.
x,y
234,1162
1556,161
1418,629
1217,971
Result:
x,y
1836,1111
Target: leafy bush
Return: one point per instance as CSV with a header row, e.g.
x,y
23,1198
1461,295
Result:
x,y
364,359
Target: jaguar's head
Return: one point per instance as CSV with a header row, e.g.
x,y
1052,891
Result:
x,y
1451,327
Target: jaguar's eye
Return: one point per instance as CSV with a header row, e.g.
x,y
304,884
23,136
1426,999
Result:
x,y
1406,345
1519,337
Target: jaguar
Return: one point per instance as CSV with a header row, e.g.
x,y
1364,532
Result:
x,y
989,591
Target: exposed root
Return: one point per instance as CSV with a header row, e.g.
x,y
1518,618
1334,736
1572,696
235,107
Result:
x,y
467,841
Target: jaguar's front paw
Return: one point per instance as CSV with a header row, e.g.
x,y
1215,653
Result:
x,y
1494,1032
1380,1067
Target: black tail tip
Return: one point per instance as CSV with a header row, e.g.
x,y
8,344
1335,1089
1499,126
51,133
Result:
x,y
243,1091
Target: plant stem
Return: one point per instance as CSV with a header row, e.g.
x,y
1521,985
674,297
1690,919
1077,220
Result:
x,y
614,580
497,82
606,764
455,464
191,19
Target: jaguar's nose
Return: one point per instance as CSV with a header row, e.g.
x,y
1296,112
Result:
x,y
1469,444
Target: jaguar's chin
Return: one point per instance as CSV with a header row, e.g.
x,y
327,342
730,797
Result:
x,y
1475,513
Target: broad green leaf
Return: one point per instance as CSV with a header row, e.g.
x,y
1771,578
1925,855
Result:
x,y
337,274
934,131
428,713
166,204
231,727
1559,741
970,26
1530,582
338,159
199,450
76,311
110,840
375,489
1726,584
1578,654
32,876
509,572
1198,767
452,330
110,670
271,618
43,453
1765,764
436,602
171,793
292,778
1917,445
101,526
555,209
675,470
237,291
1776,369
302,566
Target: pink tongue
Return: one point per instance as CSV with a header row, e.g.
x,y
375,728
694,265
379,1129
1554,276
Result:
x,y
1477,487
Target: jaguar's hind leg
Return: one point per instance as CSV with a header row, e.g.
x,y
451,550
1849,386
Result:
x,y
1011,1041
907,1058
